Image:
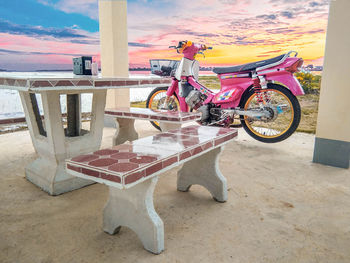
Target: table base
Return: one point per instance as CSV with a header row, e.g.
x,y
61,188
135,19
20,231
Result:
x,y
52,178
54,143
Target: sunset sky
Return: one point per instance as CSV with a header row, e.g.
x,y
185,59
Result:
x,y
46,34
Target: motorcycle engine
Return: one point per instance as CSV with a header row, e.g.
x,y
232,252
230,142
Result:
x,y
194,100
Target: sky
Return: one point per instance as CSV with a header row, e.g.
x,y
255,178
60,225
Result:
x,y
47,34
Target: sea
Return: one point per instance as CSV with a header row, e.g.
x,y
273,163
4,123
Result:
x,y
11,107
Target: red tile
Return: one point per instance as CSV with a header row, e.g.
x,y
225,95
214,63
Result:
x,y
155,117
118,83
197,150
84,83
207,146
123,167
65,83
170,161
144,116
123,155
223,131
189,143
41,83
131,82
143,159
90,172
85,158
106,152
154,168
110,177
173,119
219,141
224,139
185,155
103,162
103,83
131,178
144,82
74,168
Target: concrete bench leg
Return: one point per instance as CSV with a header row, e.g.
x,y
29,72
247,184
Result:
x,y
125,131
204,170
166,126
134,208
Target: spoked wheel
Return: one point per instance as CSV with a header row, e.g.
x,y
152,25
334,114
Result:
x,y
284,114
156,99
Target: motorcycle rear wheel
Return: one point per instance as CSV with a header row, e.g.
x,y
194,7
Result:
x,y
279,128
156,100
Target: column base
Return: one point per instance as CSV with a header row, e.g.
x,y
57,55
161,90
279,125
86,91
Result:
x,y
332,152
52,178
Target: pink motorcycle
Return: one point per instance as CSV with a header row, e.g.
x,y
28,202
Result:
x,y
261,95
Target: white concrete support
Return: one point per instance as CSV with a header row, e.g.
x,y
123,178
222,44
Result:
x,y
204,171
167,126
125,131
332,143
48,170
114,50
134,209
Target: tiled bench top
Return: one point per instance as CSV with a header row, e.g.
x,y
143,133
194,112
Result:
x,y
153,115
125,165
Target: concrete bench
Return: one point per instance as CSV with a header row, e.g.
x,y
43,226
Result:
x,y
125,119
131,171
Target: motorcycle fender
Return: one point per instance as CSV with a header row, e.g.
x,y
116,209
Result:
x,y
174,88
290,81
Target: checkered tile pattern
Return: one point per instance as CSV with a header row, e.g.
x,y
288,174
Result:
x,y
130,163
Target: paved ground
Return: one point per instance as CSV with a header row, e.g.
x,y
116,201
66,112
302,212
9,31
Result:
x,y
281,208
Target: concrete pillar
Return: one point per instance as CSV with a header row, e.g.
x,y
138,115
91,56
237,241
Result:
x,y
114,48
332,144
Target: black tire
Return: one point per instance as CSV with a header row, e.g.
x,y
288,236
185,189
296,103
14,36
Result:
x,y
150,98
294,123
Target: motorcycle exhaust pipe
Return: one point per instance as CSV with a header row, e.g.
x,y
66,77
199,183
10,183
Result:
x,y
249,113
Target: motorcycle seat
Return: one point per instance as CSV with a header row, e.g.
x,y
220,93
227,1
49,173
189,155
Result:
x,y
247,67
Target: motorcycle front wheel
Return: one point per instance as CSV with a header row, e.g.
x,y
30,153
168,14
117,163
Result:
x,y
285,114
156,99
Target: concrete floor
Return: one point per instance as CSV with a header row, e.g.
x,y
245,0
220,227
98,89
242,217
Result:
x,y
281,208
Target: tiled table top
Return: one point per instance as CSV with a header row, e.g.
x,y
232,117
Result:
x,y
125,165
63,81
154,115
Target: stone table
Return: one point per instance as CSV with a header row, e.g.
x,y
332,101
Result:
x,y
53,142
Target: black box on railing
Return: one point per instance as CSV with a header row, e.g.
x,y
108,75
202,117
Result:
x,y
82,65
